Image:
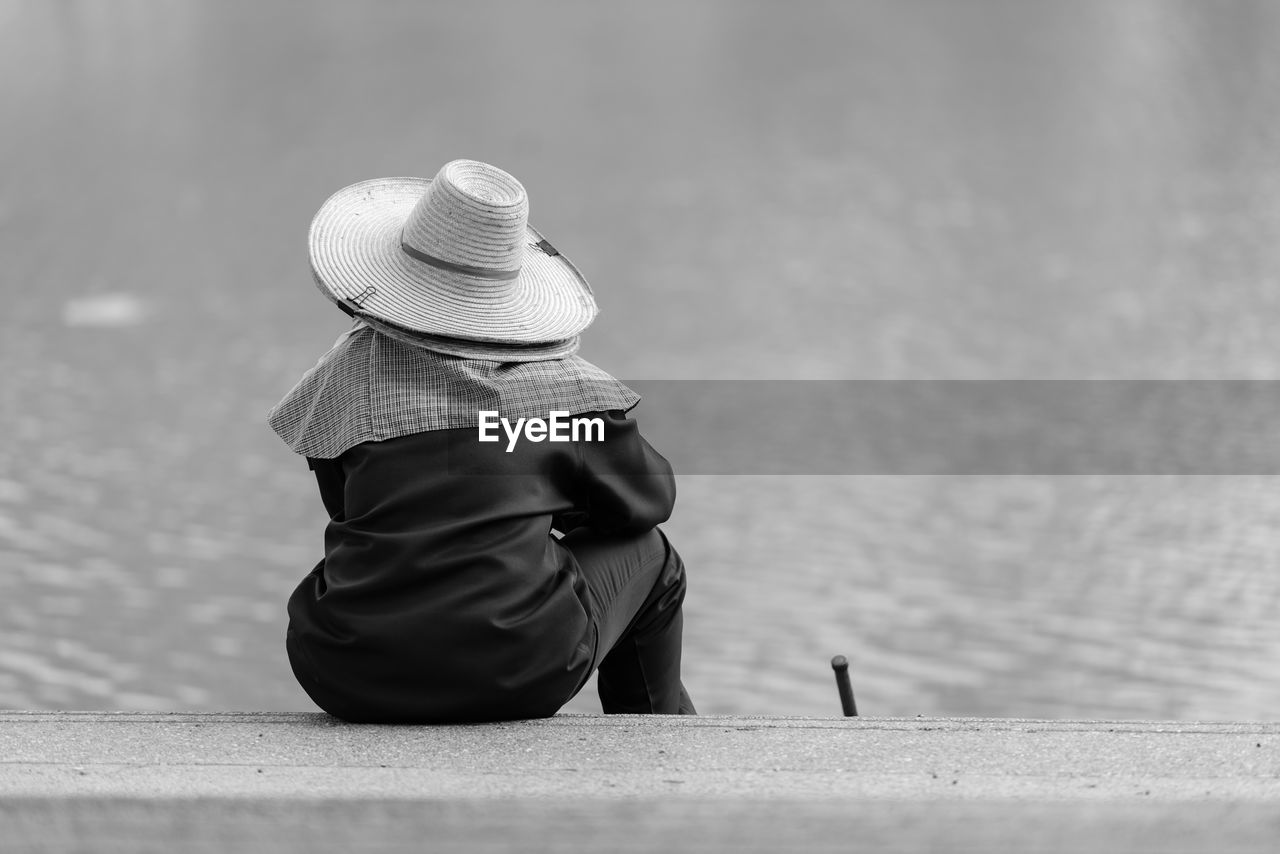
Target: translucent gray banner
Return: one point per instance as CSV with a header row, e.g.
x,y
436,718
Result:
x,y
1128,427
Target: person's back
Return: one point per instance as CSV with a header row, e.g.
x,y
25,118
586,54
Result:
x,y
466,578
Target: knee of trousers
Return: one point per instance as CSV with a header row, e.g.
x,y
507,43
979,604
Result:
x,y
673,580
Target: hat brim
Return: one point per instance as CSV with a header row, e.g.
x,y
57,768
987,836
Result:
x,y
477,350
357,260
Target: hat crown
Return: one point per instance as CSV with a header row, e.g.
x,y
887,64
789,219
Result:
x,y
472,215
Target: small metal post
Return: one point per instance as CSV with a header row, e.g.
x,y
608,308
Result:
x,y
840,665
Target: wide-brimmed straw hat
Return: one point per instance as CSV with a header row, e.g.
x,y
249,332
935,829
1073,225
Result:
x,y
450,258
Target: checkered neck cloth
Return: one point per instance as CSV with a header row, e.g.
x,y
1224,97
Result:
x,y
370,387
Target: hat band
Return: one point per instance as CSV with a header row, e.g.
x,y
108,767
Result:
x,y
441,264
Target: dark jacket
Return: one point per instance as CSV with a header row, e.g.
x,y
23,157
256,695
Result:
x,y
443,594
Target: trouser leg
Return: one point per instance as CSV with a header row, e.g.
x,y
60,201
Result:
x,y
637,586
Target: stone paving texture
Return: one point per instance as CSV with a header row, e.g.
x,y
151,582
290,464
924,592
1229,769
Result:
x,y
141,782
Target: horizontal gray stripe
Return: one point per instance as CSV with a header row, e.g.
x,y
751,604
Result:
x,y
440,263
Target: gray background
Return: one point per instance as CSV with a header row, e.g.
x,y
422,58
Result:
x,y
979,190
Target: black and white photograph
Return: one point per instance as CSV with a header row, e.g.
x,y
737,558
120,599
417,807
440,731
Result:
x,y
684,425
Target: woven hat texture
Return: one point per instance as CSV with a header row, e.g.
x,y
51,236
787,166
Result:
x,y
452,256
484,351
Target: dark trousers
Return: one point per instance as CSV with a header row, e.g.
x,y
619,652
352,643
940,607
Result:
x,y
637,587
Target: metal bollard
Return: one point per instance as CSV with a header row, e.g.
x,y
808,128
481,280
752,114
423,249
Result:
x,y
840,665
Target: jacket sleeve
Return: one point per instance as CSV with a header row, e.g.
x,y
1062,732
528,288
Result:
x,y
625,486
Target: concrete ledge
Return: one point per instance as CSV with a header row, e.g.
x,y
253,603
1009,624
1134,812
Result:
x,y
126,781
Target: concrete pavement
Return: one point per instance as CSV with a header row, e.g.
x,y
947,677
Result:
x,y
126,781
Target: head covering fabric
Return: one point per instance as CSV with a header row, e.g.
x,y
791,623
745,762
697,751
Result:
x,y
370,387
